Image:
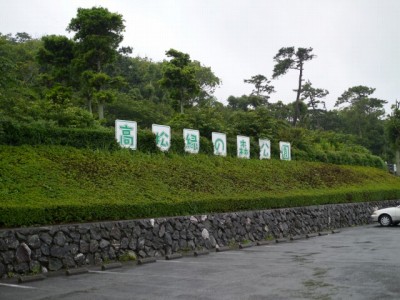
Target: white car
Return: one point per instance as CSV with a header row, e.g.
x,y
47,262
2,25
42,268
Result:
x,y
387,216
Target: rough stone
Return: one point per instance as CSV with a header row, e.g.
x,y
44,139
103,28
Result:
x,y
59,239
111,253
205,234
175,235
75,237
22,267
3,270
73,249
115,233
132,244
103,244
59,252
94,245
168,238
23,253
55,264
20,236
161,233
3,245
124,243
97,259
34,266
84,246
105,234
141,242
11,242
34,241
95,234
68,262
79,259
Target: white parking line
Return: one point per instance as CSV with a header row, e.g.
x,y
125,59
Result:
x,y
17,286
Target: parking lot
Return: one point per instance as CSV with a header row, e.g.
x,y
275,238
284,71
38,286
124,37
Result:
x,y
357,263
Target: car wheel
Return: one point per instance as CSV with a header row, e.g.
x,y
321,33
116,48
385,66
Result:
x,y
385,220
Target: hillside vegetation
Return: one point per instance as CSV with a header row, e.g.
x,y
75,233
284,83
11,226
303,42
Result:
x,y
56,184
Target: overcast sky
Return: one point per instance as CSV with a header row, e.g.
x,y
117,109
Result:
x,y
357,42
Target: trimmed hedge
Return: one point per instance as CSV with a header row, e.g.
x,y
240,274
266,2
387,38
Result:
x,y
17,134
58,184
16,215
20,134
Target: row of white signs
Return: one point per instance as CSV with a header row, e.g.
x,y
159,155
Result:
x,y
126,135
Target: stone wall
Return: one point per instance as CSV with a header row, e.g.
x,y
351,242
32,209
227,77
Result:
x,y
42,249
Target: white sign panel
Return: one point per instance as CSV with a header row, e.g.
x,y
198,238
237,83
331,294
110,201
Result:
x,y
126,134
265,148
219,142
284,148
163,136
243,146
192,140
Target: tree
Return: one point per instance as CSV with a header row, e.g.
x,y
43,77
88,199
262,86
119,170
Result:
x,y
101,88
393,129
55,58
313,95
179,77
256,123
362,116
286,59
208,82
98,34
281,111
19,87
262,87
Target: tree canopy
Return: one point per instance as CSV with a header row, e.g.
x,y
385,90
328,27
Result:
x,y
289,58
57,81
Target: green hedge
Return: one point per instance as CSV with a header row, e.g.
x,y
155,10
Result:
x,y
39,134
11,216
18,134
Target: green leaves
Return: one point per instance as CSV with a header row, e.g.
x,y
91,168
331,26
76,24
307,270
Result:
x,y
179,77
54,184
97,22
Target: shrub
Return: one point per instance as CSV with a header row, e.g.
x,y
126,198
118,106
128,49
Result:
x,y
12,133
58,184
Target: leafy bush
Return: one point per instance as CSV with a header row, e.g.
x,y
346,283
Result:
x,y
12,133
58,184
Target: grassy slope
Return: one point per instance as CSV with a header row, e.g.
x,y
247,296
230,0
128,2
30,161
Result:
x,y
59,184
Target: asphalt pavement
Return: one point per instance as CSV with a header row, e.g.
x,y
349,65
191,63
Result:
x,y
357,263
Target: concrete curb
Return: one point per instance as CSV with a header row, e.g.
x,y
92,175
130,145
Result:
x,y
297,237
281,240
248,245
173,256
146,260
79,271
201,252
262,243
311,235
222,249
111,266
24,279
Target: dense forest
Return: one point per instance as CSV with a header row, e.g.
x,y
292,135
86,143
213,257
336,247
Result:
x,y
89,80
